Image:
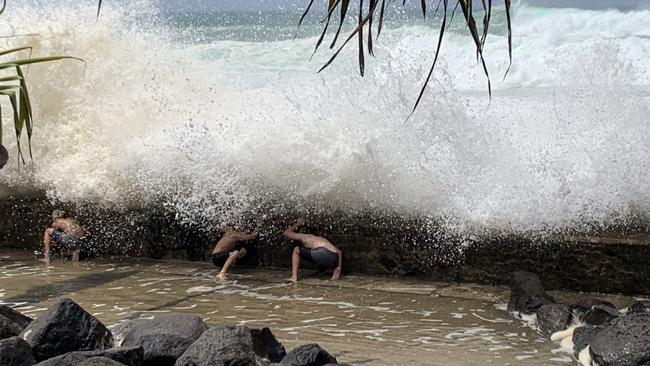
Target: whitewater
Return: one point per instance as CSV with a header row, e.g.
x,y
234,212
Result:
x,y
221,121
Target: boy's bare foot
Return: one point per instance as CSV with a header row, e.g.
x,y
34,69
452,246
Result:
x,y
220,276
293,279
45,260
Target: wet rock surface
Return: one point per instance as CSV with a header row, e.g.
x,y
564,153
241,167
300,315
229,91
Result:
x,y
308,355
21,320
582,337
600,314
8,328
583,305
623,342
553,318
65,327
15,351
130,356
221,346
527,293
266,346
100,361
165,337
638,307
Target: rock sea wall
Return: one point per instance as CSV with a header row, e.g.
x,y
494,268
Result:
x,y
384,245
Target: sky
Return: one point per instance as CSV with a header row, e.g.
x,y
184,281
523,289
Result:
x,y
225,5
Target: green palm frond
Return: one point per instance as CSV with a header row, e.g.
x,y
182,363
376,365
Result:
x,y
374,13
15,88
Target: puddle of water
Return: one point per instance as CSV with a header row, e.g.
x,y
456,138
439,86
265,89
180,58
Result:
x,y
361,320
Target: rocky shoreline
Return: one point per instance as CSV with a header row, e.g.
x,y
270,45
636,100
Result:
x,y
67,335
381,245
594,331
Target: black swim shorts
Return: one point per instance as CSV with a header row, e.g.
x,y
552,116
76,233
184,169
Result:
x,y
321,257
67,241
220,258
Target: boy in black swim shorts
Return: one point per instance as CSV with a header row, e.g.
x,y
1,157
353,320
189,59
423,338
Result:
x,y
315,249
229,250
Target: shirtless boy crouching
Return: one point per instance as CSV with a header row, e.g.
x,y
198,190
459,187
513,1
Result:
x,y
314,249
65,233
229,250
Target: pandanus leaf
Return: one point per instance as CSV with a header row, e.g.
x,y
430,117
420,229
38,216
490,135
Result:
x,y
344,11
13,50
478,37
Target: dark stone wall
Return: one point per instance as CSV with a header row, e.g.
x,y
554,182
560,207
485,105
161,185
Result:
x,y
378,244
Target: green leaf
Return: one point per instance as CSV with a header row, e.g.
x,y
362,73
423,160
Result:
x,y
36,60
12,50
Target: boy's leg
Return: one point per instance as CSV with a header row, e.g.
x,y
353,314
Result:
x,y
232,259
295,264
47,240
75,255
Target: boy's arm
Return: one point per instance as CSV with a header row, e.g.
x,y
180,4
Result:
x,y
290,232
246,236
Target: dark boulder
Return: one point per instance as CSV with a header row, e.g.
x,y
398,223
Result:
x,y
553,318
623,342
4,156
599,314
527,293
120,330
130,356
165,337
583,305
221,346
8,328
100,361
21,320
65,327
308,355
15,352
582,337
638,307
266,345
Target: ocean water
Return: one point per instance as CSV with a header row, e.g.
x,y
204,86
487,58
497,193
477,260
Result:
x,y
219,116
361,320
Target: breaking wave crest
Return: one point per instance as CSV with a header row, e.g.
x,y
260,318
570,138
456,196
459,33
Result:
x,y
223,129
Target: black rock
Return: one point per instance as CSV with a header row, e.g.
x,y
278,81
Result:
x,y
582,337
623,342
527,293
221,346
553,318
100,361
15,352
266,345
599,314
165,337
16,317
8,328
65,327
638,307
582,306
120,330
308,355
4,156
131,356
